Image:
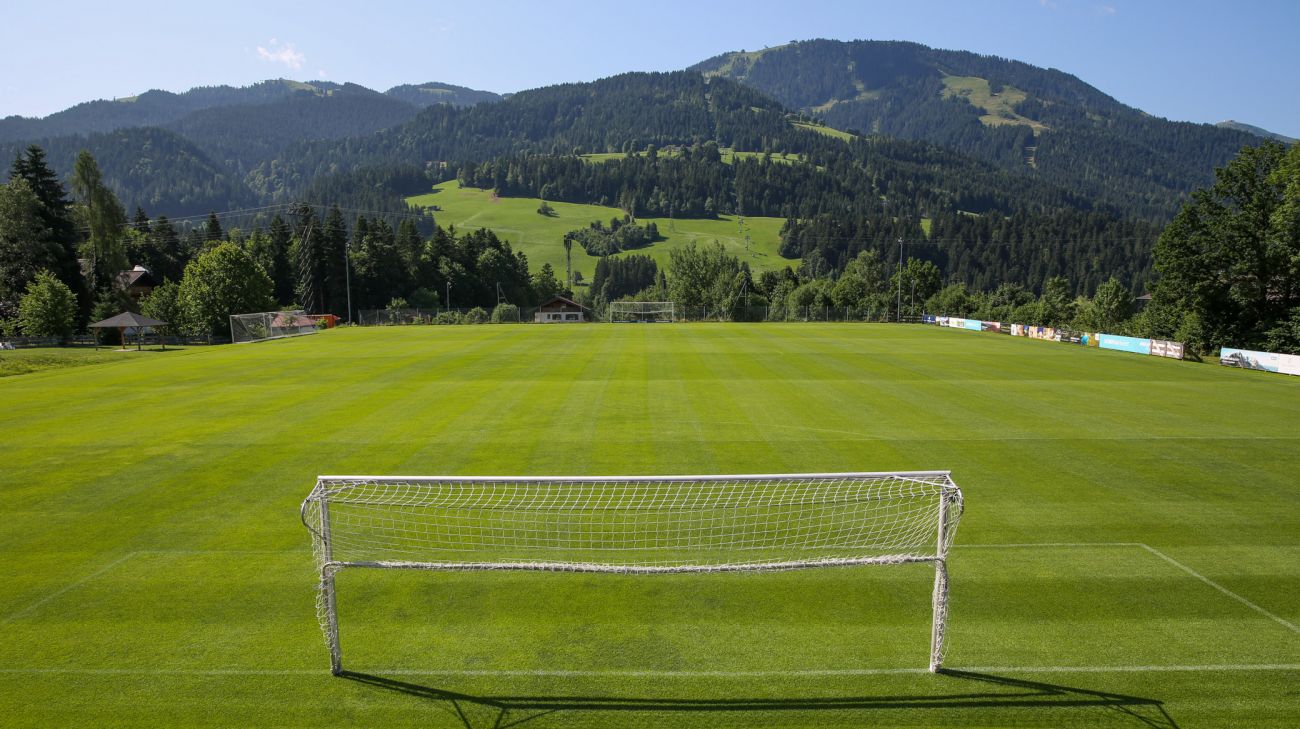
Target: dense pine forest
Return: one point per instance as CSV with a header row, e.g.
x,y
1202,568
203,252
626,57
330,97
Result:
x,y
981,173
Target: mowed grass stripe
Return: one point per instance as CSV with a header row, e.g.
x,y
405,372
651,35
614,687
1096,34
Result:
x,y
192,461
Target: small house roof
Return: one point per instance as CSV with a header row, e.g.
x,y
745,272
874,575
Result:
x,y
560,300
127,319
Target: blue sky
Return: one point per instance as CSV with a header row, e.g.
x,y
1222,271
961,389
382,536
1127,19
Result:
x,y
1182,59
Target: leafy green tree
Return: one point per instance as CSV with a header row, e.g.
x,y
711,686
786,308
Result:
x,y
47,308
1056,306
701,276
1231,256
163,303
920,279
951,300
1112,305
222,281
505,314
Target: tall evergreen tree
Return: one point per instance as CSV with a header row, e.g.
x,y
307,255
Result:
x,y
310,280
56,217
333,252
105,223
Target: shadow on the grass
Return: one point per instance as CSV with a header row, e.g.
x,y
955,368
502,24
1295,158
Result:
x,y
499,711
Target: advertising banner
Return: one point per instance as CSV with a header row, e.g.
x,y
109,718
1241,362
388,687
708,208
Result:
x,y
991,326
1018,330
973,325
1072,337
1125,344
928,319
1162,348
1287,364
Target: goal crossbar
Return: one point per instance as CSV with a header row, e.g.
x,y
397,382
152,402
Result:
x,y
632,525
642,311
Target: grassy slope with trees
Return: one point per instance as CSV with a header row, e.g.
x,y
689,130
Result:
x,y
541,237
1006,112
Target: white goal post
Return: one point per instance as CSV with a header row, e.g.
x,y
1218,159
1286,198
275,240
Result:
x,y
632,525
270,325
641,311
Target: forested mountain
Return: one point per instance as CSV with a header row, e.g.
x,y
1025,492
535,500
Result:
x,y
432,93
994,170
1044,122
150,167
164,108
242,136
1257,131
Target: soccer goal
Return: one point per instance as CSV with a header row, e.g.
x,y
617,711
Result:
x,y
632,525
270,325
641,311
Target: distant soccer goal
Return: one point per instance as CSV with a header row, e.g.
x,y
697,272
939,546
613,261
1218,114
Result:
x,y
641,311
270,325
632,525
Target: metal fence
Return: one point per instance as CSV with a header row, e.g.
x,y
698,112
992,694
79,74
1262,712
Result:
x,y
399,317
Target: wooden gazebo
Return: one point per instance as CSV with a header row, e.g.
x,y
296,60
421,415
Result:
x,y
129,320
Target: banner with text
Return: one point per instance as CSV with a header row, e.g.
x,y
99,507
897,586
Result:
x,y
1125,344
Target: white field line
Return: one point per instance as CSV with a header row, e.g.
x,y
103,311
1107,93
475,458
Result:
x,y
541,673
1280,621
66,589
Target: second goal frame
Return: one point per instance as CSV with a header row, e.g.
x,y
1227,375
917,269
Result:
x,y
632,525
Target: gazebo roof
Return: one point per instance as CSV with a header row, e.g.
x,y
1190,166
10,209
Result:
x,y
127,319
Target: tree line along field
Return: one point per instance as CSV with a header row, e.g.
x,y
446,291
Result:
x,y
541,237
1128,554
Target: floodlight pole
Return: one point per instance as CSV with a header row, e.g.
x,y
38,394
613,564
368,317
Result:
x,y
900,280
347,276
449,296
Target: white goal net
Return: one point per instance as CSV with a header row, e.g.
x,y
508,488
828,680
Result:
x,y
632,525
270,325
641,311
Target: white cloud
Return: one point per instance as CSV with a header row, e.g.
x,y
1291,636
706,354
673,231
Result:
x,y
1107,9
321,74
282,53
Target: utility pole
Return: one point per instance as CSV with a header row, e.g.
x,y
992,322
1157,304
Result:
x,y
347,275
568,264
900,279
449,295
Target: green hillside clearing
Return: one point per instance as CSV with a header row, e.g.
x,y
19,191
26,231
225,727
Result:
x,y
999,109
541,237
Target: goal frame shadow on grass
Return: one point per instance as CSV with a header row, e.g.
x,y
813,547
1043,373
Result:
x,y
979,691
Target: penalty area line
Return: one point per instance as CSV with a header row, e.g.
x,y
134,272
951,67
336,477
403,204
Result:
x,y
1275,618
66,589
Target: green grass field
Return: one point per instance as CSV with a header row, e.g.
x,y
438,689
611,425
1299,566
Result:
x,y
541,237
1129,555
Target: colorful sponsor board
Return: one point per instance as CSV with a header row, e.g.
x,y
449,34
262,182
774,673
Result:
x,y
1287,364
1125,344
1048,333
1163,348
